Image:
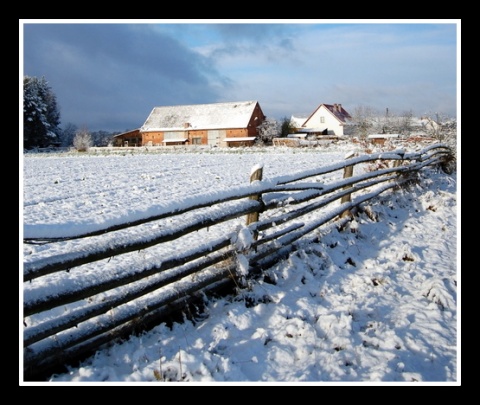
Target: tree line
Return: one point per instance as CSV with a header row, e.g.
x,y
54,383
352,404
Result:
x,y
41,123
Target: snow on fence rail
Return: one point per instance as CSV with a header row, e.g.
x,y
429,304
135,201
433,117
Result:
x,y
92,304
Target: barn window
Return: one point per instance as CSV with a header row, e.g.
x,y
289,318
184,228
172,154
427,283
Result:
x,y
196,140
322,120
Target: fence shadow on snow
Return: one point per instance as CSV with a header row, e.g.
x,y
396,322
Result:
x,y
119,286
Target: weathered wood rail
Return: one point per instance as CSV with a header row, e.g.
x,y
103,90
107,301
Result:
x,y
83,314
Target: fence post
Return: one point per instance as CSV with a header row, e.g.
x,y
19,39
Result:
x,y
398,163
347,172
257,174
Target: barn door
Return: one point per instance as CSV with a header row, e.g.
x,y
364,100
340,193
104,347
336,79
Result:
x,y
215,136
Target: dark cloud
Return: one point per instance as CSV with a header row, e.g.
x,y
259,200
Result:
x,y
260,33
110,76
274,41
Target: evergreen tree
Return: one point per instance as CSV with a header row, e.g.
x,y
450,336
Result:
x,y
286,127
41,116
102,138
67,134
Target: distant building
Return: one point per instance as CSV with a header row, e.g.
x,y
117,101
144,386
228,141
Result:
x,y
129,138
327,119
380,139
219,124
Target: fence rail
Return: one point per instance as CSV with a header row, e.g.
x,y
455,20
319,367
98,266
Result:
x,y
80,317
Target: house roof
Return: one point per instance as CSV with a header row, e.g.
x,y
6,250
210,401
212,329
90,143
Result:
x,y
200,116
240,138
336,110
297,121
131,132
175,140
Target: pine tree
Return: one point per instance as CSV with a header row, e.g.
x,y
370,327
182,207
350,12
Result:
x,y
67,134
286,127
41,116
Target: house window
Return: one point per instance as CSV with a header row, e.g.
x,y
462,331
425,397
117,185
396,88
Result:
x,y
322,120
196,140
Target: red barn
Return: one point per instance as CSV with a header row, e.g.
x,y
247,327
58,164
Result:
x,y
219,124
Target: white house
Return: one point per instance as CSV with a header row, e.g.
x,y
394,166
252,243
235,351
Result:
x,y
327,119
297,122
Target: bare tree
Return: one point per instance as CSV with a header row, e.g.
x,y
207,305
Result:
x,y
405,123
268,130
363,120
83,140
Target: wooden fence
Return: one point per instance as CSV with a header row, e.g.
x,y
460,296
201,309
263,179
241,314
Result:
x,y
78,318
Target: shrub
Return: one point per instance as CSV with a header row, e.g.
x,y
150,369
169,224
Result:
x,y
82,140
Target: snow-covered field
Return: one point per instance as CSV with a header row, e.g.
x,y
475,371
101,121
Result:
x,y
103,188
376,303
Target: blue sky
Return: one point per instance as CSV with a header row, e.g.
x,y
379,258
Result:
x,y
109,74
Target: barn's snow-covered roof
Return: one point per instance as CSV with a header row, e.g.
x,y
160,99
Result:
x,y
200,116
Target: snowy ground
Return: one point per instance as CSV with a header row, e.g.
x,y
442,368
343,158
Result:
x,y
375,303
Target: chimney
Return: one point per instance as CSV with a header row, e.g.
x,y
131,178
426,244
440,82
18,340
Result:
x,y
339,106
